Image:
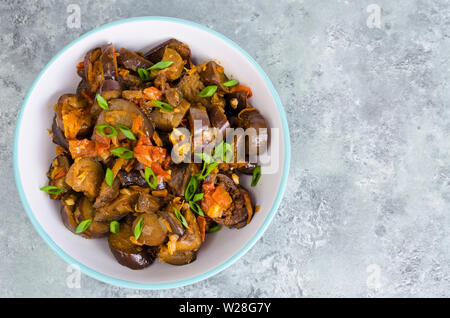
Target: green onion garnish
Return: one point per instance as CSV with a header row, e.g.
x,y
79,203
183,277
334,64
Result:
x,y
256,176
198,197
126,131
122,153
101,130
164,106
149,172
180,217
230,83
208,91
138,228
109,177
207,170
143,74
114,227
205,157
191,188
196,208
224,151
213,229
52,189
160,65
83,226
102,102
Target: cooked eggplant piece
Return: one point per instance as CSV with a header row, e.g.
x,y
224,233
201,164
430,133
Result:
x,y
93,69
190,86
148,203
85,211
167,121
133,61
110,89
154,231
73,116
213,74
107,193
123,112
179,251
134,177
218,120
236,102
172,72
236,214
247,168
128,80
200,126
85,175
127,253
156,54
181,174
252,118
68,205
177,258
175,225
56,175
119,208
172,95
109,62
58,135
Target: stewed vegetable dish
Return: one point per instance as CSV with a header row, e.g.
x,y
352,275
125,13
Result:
x,y
147,155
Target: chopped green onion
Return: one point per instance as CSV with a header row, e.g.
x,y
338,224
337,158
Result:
x,y
143,74
101,130
83,226
230,83
180,218
149,172
198,197
160,65
208,91
207,170
191,188
138,228
52,189
224,151
213,229
256,176
109,177
205,157
114,227
126,132
122,153
164,106
196,208
102,102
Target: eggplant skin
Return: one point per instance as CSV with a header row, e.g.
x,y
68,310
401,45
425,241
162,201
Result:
x,y
85,211
133,61
156,53
126,253
58,135
178,258
67,212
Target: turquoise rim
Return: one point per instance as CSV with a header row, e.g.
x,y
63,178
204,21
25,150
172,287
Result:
x,y
231,260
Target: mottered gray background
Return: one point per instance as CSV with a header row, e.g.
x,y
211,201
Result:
x,y
366,210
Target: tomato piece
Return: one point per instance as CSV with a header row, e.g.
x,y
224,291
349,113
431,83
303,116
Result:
x,y
82,148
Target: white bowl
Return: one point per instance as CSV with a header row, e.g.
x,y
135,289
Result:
x,y
33,151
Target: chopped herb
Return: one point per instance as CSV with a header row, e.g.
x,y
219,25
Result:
x,y
109,177
160,65
102,102
205,157
101,130
114,227
52,189
83,226
180,217
213,229
191,188
138,228
198,197
143,74
164,106
122,153
224,151
208,91
196,208
126,132
207,170
149,173
230,83
256,176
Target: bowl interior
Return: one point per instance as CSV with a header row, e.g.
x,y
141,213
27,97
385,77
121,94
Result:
x,y
34,152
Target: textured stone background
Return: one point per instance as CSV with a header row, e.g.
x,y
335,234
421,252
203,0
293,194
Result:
x,y
366,212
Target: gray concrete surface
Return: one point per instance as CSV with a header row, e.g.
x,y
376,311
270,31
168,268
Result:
x,y
366,212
